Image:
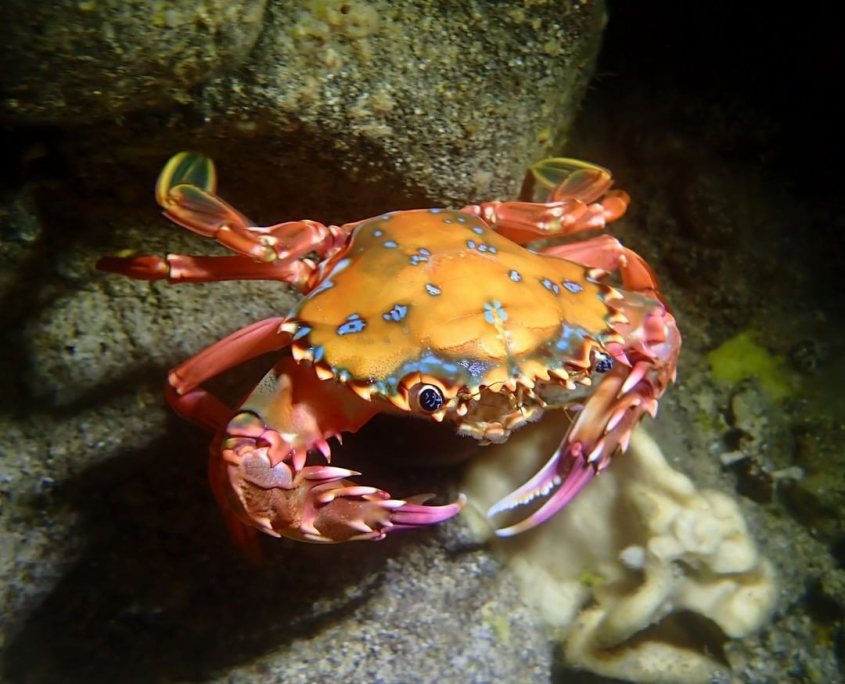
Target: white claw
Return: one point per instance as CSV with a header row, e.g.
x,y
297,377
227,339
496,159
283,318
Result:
x,y
637,373
615,419
359,525
597,451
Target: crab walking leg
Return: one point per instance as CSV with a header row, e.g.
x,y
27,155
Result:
x,y
260,473
186,191
579,200
180,268
608,254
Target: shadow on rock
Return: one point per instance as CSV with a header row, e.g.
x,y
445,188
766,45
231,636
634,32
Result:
x,y
159,593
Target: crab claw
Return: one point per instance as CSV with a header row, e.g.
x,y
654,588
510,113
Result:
x,y
601,428
340,511
318,503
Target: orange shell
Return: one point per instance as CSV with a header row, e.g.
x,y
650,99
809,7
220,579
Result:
x,y
439,292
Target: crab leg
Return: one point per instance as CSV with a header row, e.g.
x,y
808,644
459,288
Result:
x,y
608,254
186,191
179,268
577,198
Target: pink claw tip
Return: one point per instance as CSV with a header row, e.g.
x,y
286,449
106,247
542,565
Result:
x,y
416,515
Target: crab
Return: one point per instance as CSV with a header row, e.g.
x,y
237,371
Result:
x,y
438,313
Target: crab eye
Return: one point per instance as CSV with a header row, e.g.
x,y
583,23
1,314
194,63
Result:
x,y
429,398
603,361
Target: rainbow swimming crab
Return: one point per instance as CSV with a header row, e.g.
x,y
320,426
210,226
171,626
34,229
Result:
x,y
438,313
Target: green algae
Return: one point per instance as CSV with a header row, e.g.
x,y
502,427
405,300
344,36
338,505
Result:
x,y
742,357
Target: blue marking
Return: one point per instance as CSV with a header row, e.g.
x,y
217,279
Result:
x,y
492,249
482,248
385,217
475,368
462,219
570,339
478,230
574,288
397,313
325,285
354,324
339,266
433,290
318,353
471,244
448,221
550,286
461,371
424,251
343,375
390,244
378,233
515,276
493,311
301,332
435,211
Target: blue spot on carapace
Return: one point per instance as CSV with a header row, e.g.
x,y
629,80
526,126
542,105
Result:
x,y
424,251
492,249
475,368
433,290
478,230
397,313
378,233
354,324
471,244
318,353
462,219
494,311
435,211
550,285
390,244
515,276
301,332
482,248
385,217
573,287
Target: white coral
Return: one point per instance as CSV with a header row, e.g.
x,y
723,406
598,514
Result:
x,y
639,544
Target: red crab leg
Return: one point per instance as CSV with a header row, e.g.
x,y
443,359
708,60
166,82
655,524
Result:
x,y
578,199
607,253
179,268
186,191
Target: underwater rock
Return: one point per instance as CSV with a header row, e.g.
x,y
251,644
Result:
x,y
345,110
77,62
638,550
